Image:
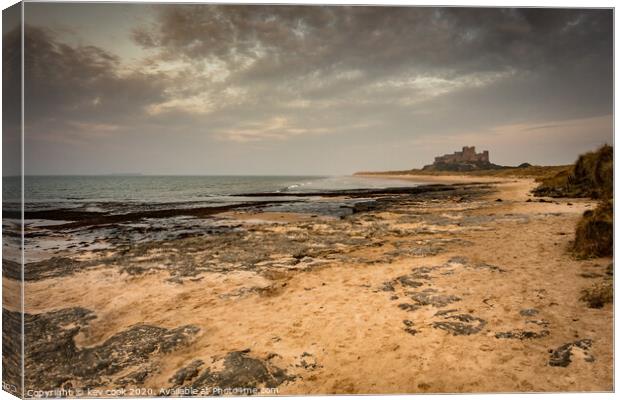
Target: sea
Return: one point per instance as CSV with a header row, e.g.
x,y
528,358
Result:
x,y
120,193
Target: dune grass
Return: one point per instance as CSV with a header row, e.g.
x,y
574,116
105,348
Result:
x,y
599,294
595,231
591,176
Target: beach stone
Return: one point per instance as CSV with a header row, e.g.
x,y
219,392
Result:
x,y
458,260
409,327
427,297
460,324
490,267
187,373
528,312
463,261
240,371
406,280
308,362
590,275
135,378
562,356
521,334
446,312
408,307
421,273
540,322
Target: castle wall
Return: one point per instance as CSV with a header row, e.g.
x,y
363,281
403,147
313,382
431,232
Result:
x,y
468,154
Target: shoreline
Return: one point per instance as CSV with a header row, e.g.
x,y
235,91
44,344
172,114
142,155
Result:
x,y
77,218
438,179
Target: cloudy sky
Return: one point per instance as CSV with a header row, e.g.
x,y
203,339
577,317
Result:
x,y
205,89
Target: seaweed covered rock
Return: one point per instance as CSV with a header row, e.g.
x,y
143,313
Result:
x,y
239,375
53,360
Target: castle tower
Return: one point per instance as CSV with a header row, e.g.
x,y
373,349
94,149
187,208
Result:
x,y
469,153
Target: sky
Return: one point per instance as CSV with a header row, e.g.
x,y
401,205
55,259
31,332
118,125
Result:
x,y
214,89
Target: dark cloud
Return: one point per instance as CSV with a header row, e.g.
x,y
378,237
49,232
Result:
x,y
263,84
11,91
71,86
388,56
377,39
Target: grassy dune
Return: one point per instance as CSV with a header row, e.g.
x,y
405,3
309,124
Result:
x,y
591,176
533,171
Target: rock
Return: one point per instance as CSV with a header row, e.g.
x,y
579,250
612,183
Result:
x,y
424,386
409,327
408,307
539,322
52,357
528,312
521,334
421,273
186,373
241,372
408,281
562,356
463,261
135,378
308,362
51,268
590,275
490,267
12,351
463,324
458,260
426,298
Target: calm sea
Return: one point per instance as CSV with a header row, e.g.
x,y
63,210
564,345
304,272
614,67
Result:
x,y
126,193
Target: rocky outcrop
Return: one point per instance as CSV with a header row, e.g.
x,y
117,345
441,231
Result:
x,y
54,361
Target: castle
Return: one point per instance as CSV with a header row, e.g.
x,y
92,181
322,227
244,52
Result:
x,y
465,160
466,156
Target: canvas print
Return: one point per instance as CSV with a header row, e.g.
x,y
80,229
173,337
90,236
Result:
x,y
211,199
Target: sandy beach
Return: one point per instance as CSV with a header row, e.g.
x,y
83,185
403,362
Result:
x,y
466,290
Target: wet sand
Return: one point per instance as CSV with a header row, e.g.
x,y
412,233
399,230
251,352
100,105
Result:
x,y
446,292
